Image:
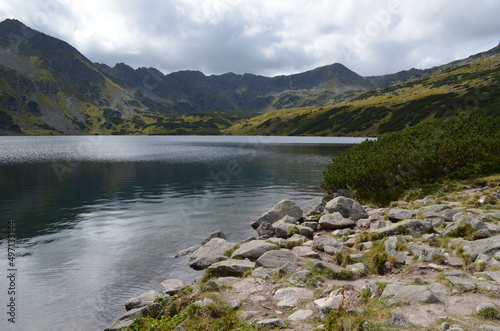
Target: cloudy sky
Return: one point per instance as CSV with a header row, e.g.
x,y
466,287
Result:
x,y
267,37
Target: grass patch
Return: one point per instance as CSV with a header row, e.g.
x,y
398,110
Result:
x,y
376,258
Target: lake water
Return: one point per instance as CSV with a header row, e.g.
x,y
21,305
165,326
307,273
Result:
x,y
98,218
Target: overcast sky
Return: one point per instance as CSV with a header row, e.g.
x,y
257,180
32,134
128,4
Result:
x,y
267,37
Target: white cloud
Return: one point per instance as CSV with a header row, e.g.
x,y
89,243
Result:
x,y
267,37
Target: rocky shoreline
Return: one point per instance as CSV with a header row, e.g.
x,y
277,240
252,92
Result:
x,y
430,264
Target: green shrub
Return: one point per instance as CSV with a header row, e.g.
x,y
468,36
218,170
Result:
x,y
458,147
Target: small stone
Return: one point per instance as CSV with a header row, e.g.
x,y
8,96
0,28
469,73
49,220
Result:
x,y
399,320
275,322
261,272
215,234
300,315
173,286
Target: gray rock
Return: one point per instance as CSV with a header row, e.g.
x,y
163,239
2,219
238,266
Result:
x,y
426,253
399,320
463,283
215,234
290,267
290,296
275,259
265,229
397,302
142,300
343,232
253,250
364,223
284,230
300,315
487,305
249,315
372,287
315,205
320,242
173,286
461,220
273,322
397,214
486,327
326,305
302,275
129,317
282,209
305,251
391,244
349,208
414,227
358,268
448,214
261,273
487,246
377,225
230,267
312,225
185,252
208,254
297,239
434,208
343,193
234,304
455,273
335,221
419,293
325,266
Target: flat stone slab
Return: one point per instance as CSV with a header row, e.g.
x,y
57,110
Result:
x,y
414,227
290,296
397,214
320,242
253,249
464,283
300,315
275,259
419,293
305,251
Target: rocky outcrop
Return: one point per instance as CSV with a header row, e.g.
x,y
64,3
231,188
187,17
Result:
x,y
282,209
291,280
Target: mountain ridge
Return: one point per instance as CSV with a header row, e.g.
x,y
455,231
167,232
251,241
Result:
x,y
48,87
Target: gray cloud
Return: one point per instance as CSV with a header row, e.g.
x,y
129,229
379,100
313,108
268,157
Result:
x,y
268,37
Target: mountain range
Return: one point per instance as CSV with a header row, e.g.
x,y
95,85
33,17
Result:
x,y
49,87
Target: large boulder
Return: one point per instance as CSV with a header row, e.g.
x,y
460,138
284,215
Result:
x,y
282,209
347,207
315,205
335,221
253,249
208,254
275,259
230,267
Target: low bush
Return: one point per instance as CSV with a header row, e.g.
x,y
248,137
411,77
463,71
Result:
x,y
458,147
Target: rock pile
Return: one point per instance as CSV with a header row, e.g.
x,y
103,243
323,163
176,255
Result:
x,y
428,264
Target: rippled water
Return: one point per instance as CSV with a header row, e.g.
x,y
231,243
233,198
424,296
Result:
x,y
98,218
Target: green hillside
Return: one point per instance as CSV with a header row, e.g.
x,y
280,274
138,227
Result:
x,y
459,87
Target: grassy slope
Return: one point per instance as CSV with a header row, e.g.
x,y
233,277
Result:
x,y
454,88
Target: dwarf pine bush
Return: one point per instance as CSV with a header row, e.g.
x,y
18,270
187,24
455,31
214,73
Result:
x,y
458,147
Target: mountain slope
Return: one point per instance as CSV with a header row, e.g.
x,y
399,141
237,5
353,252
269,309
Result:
x,y
48,87
461,86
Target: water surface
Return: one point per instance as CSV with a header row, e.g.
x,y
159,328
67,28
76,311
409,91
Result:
x,y
98,218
